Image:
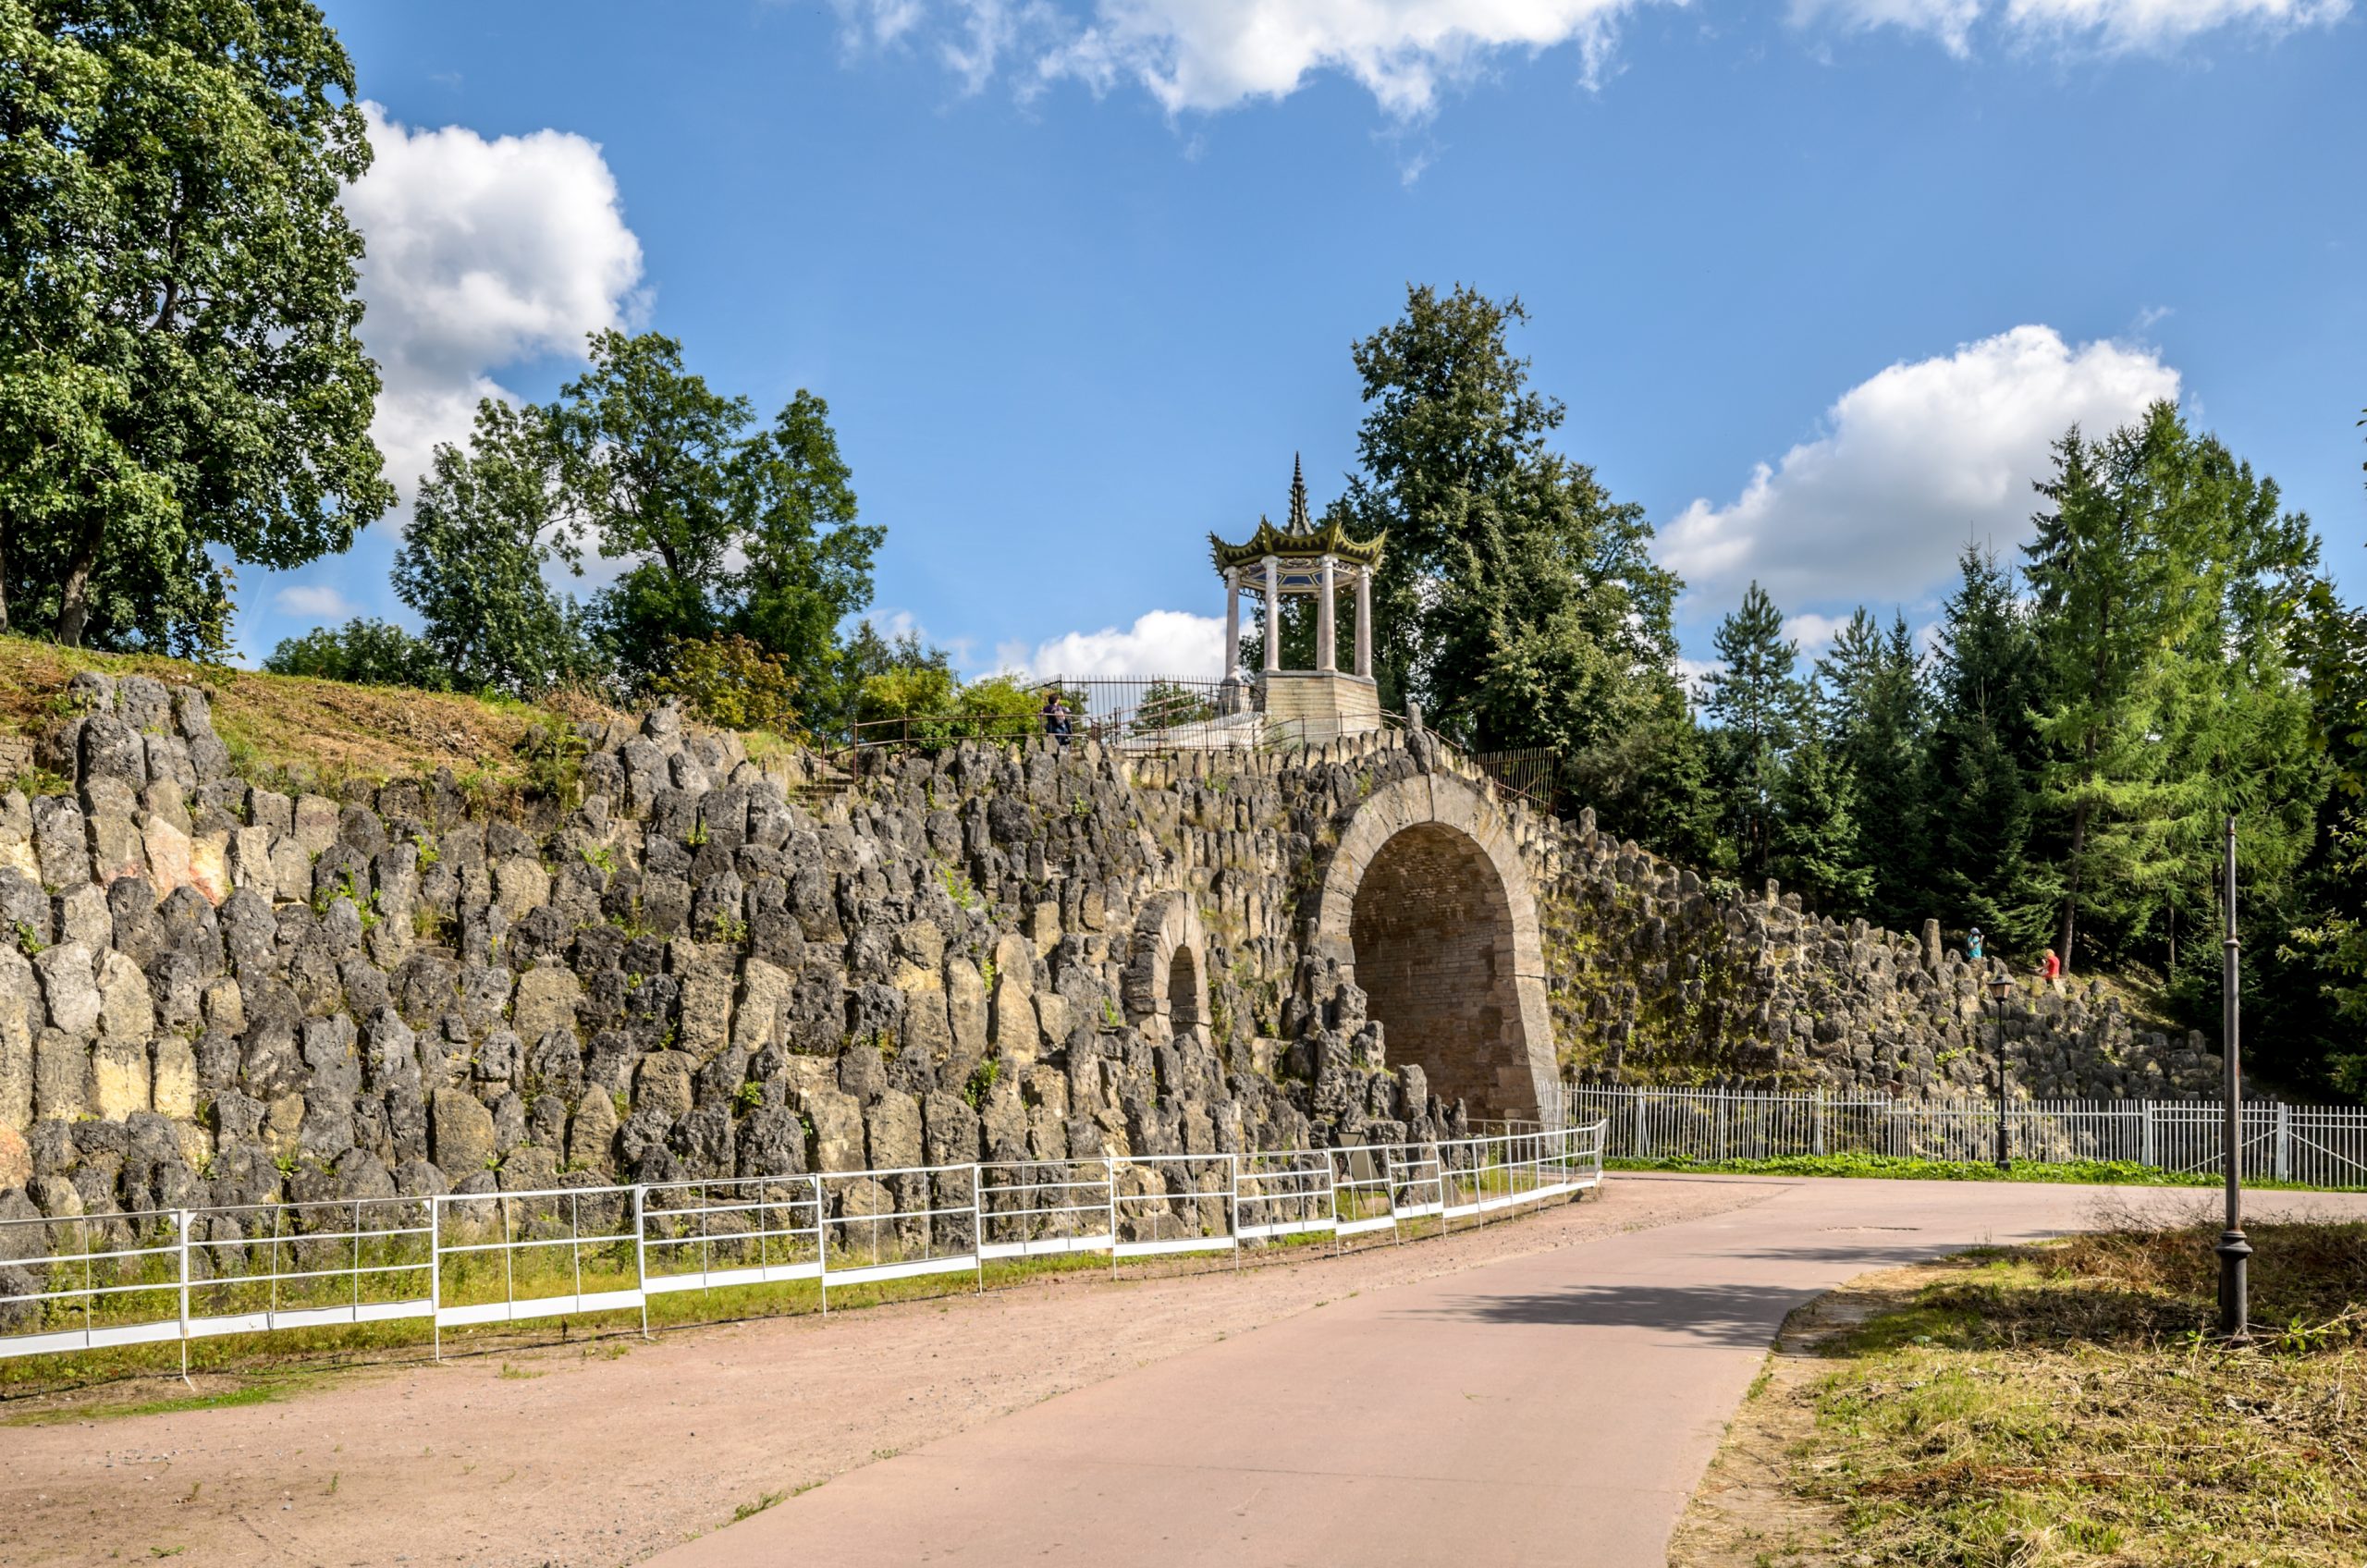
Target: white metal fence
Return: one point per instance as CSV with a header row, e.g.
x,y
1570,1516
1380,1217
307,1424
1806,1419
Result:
x,y
108,1279
2314,1146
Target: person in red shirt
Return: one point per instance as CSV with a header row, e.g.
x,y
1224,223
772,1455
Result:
x,y
2051,970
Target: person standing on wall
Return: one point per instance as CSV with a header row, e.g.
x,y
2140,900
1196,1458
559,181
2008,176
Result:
x,y
1972,946
2049,970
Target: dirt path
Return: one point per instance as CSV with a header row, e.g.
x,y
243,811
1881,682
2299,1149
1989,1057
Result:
x,y
596,1458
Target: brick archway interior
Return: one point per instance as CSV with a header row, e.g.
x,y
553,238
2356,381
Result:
x,y
1433,938
1184,989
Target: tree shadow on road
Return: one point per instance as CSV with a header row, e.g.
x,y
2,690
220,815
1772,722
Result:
x,y
1723,1314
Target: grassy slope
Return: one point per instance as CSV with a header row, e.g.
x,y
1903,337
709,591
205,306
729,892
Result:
x,y
282,727
2057,1405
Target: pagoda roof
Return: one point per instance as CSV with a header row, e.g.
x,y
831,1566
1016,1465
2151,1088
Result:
x,y
1303,539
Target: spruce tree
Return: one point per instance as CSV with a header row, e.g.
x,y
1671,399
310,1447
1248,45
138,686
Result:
x,y
1758,703
1982,764
1872,713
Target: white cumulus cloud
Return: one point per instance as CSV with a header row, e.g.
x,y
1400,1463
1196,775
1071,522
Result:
x,y
2114,26
317,600
479,254
1174,643
1911,464
1217,54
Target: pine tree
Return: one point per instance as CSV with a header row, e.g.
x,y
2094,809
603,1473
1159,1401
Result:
x,y
1813,836
1758,703
1981,763
1873,711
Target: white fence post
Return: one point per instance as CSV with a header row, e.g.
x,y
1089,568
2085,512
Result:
x,y
2284,1141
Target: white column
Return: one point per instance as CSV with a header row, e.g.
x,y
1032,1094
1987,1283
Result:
x,y
1327,640
1364,621
1273,620
1232,623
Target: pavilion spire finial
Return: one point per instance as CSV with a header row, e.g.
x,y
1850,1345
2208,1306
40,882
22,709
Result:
x,y
1299,521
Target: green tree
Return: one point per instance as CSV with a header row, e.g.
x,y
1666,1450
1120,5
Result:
x,y
1758,703
472,560
808,561
1982,763
646,453
1516,601
1872,708
1812,831
2166,581
364,652
180,379
728,530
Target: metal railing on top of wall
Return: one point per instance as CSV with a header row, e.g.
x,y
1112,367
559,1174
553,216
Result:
x,y
99,1281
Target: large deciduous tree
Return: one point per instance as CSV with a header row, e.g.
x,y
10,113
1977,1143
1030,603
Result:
x,y
1517,601
180,376
472,560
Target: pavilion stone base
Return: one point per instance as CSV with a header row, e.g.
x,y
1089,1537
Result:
x,y
1317,705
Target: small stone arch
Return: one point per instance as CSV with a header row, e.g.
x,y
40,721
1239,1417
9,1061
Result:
x,y
1427,903
1166,970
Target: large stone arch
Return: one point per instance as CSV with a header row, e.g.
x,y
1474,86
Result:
x,y
1426,901
1167,972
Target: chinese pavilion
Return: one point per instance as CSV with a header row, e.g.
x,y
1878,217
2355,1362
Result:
x,y
1305,559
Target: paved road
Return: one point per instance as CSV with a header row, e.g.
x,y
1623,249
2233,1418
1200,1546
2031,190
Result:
x,y
1557,1408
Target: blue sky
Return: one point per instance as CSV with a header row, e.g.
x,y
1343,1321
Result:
x,y
1816,284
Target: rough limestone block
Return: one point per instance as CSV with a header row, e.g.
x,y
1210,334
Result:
x,y
175,1080
83,916
705,1024
127,1011
119,1080
837,1129
592,1133
316,828
70,986
520,883
61,843
249,859
61,1076
460,1129
292,870
965,1007
115,848
209,866
663,1084
765,990
547,999
19,1010
169,850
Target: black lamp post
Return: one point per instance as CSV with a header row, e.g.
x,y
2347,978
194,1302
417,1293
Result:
x,y
2000,985
2234,1252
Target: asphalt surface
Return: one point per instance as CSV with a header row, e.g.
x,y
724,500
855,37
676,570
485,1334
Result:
x,y
1557,1408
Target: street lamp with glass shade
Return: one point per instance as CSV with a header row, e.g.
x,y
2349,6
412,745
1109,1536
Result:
x,y
2001,986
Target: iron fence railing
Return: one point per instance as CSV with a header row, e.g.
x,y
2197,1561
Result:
x,y
2313,1145
97,1280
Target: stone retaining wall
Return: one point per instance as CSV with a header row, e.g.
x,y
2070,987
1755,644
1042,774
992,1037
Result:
x,y
212,993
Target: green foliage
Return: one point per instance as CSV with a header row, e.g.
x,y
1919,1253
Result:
x,y
982,1081
181,380
734,682
553,752
364,652
925,704
748,1097
1516,601
733,529
472,560
1759,704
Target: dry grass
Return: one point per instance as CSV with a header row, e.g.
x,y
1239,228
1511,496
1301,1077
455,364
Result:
x,y
283,729
2060,1405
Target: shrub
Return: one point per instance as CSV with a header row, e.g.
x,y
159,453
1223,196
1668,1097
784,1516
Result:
x,y
733,682
933,708
365,651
